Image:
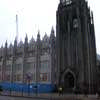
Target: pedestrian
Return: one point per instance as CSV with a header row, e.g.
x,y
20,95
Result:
x,y
60,90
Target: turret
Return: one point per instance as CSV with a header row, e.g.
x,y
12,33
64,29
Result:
x,y
26,44
53,55
5,53
10,50
52,40
2,50
26,40
15,43
52,37
6,44
38,40
38,36
15,46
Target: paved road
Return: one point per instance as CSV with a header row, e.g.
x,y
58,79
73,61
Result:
x,y
65,97
18,98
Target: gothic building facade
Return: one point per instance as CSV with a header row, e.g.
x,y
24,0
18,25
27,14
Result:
x,y
68,60
32,61
76,49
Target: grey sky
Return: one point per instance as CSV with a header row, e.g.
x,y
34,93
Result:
x,y
34,15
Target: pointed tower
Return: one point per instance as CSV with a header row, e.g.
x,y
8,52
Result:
x,y
38,42
26,40
52,39
53,56
15,47
76,49
6,44
26,45
38,54
38,36
4,62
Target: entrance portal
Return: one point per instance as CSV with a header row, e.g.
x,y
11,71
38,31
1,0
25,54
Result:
x,y
69,81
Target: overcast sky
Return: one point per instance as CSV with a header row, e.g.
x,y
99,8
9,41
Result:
x,y
34,15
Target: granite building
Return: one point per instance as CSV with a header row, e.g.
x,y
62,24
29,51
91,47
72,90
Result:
x,y
69,59
76,49
32,61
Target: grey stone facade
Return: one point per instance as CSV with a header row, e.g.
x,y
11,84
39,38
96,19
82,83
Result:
x,y
76,49
68,60
32,61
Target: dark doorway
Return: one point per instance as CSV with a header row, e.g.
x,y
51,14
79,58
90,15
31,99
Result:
x,y
69,81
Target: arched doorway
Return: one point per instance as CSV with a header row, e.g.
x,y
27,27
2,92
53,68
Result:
x,y
69,82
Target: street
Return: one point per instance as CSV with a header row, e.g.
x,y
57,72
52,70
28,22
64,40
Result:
x,y
53,97
17,98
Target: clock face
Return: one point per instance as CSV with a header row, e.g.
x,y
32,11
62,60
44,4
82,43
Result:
x,y
75,23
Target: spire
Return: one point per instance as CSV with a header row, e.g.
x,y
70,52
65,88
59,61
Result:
x,y
15,42
17,27
10,46
26,39
32,41
38,35
6,44
15,46
52,30
5,49
2,46
45,38
52,35
20,44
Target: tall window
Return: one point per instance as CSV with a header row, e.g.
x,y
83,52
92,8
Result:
x,y
75,23
44,67
7,77
8,67
18,67
43,77
17,77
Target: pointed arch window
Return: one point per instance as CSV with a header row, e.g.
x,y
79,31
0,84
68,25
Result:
x,y
75,23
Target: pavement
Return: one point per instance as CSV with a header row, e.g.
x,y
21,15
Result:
x,y
51,96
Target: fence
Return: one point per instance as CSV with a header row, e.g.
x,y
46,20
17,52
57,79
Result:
x,y
19,88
